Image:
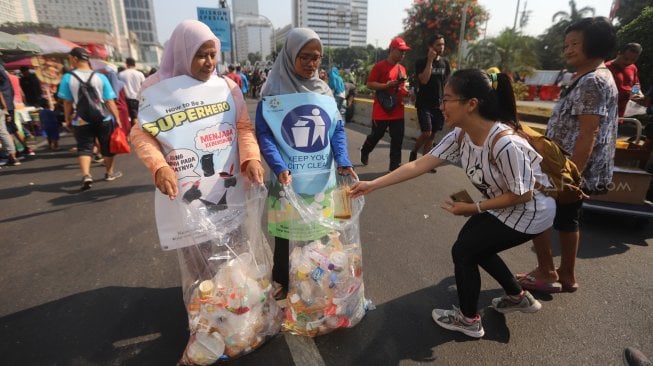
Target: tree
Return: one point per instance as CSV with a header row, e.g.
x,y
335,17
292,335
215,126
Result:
x,y
511,52
630,9
549,47
639,30
483,54
574,15
428,17
253,57
346,58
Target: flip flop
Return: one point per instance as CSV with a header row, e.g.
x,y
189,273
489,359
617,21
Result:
x,y
530,283
567,287
570,288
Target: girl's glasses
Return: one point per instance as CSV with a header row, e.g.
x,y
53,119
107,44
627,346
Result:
x,y
444,101
307,59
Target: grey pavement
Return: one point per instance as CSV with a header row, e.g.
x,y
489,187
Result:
x,y
84,281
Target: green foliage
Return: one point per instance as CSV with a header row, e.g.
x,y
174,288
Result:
x,y
631,9
483,54
510,52
549,47
253,57
640,31
520,90
428,17
362,90
351,57
573,15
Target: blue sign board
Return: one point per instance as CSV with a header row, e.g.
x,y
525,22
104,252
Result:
x,y
219,22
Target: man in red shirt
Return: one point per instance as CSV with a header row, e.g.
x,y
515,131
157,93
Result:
x,y
625,76
388,76
235,76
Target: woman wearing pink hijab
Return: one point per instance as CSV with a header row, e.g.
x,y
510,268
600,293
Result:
x,y
195,135
193,51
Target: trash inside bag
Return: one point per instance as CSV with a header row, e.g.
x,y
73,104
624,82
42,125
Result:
x,y
227,286
326,289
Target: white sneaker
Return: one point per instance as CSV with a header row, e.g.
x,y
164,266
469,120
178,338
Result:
x,y
113,176
527,304
454,320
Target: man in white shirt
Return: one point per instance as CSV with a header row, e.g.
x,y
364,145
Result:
x,y
133,80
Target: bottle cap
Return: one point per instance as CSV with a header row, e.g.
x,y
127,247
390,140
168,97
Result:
x,y
206,288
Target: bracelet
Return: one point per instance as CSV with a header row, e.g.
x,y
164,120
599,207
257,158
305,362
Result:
x,y
478,207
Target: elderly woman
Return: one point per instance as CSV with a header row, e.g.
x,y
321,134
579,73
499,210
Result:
x,y
584,123
194,134
193,51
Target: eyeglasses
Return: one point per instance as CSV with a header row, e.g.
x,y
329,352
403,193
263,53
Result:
x,y
307,59
444,101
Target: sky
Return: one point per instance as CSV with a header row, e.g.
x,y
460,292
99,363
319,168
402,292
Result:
x,y
385,17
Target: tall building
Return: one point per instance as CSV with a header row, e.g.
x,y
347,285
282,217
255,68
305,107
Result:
x,y
339,23
141,21
106,15
17,11
253,32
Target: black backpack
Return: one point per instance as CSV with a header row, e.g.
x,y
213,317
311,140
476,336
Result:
x,y
89,107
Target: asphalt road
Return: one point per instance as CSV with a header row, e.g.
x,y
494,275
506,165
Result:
x,y
84,281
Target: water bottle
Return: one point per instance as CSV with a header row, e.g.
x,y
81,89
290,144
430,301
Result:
x,y
635,89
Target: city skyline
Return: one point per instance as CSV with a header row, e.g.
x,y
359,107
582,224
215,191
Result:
x,y
381,28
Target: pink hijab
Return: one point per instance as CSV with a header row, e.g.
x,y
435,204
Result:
x,y
180,49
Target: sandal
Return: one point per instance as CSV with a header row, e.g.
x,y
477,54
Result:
x,y
567,287
570,288
530,283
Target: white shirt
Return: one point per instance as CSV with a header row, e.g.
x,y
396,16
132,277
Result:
x,y
133,80
517,169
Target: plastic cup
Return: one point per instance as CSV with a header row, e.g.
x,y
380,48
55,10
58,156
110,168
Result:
x,y
342,202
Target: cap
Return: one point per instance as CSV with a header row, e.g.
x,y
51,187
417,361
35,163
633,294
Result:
x,y
206,288
399,44
80,53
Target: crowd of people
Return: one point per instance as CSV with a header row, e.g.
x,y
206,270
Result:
x,y
478,106
117,90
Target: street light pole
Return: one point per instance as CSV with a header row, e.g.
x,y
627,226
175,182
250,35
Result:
x,y
329,37
462,36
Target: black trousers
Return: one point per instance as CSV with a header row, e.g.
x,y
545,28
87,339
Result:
x,y
280,267
396,139
479,241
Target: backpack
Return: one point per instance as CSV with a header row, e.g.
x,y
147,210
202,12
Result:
x,y
561,171
89,106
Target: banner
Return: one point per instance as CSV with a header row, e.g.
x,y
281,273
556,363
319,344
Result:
x,y
219,22
195,124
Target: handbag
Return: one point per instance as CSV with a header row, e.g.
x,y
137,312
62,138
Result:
x,y
388,101
119,144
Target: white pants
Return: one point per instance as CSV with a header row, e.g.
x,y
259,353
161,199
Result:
x,y
5,138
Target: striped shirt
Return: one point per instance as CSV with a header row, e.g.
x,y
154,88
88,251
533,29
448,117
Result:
x,y
517,169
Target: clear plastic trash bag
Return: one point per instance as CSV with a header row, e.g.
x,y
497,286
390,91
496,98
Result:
x,y
326,289
226,282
